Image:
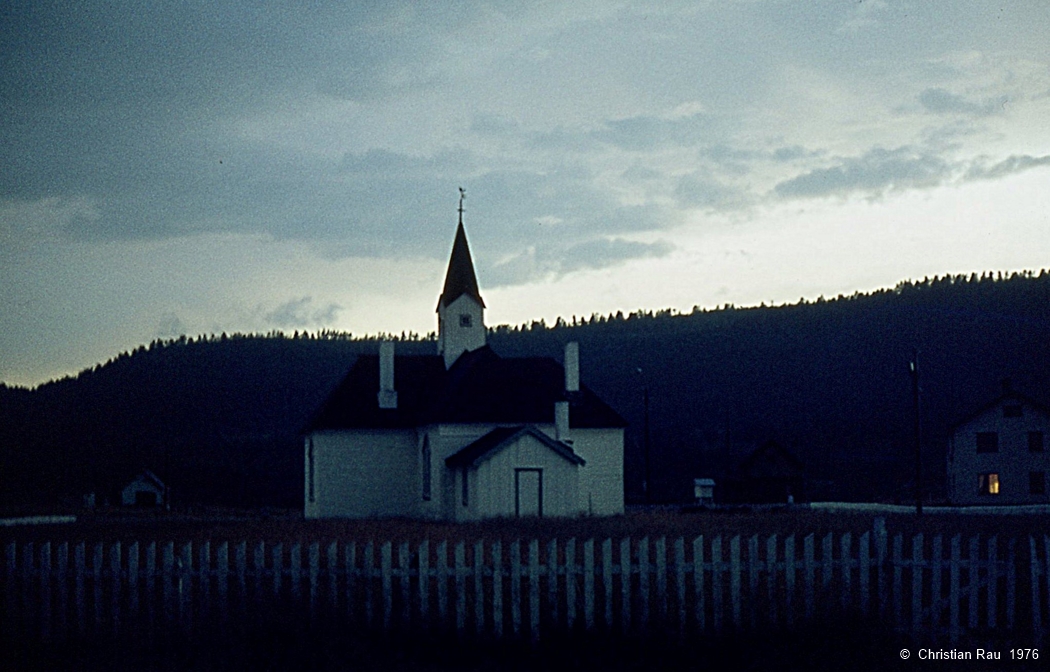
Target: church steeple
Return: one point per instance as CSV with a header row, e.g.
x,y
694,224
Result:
x,y
461,311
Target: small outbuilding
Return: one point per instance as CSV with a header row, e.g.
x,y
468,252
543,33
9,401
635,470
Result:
x,y
145,490
771,474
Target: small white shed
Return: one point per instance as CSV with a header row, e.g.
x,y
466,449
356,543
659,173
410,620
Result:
x,y
145,490
704,491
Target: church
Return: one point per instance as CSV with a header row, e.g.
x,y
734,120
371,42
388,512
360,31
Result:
x,y
463,434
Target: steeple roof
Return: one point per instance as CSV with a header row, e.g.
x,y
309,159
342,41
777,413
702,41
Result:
x,y
460,278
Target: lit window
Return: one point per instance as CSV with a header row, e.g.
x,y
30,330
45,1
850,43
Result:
x,y
1036,483
987,442
1035,442
988,484
1012,411
426,468
465,321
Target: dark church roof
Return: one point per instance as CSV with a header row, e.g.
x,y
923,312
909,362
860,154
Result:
x,y
480,387
501,436
460,278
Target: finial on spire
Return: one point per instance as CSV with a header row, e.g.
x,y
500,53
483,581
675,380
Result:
x,y
462,195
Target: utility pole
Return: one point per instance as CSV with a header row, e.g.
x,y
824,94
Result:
x,y
914,368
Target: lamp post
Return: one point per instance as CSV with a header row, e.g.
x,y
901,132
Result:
x,y
913,367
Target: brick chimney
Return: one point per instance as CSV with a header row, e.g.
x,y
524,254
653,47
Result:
x,y
387,394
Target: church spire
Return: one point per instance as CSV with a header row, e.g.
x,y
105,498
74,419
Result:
x,y
460,278
461,312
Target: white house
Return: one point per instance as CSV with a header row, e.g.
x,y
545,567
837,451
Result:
x,y
998,454
464,434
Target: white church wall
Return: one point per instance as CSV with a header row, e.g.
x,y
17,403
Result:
x,y
601,479
363,473
461,328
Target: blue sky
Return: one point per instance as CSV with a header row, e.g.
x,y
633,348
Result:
x,y
202,167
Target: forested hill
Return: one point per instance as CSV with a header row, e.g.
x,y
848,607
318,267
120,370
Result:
x,y
219,417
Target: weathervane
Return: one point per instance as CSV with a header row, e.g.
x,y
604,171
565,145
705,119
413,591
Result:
x,y
462,195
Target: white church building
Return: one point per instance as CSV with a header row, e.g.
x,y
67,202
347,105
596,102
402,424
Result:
x,y
463,434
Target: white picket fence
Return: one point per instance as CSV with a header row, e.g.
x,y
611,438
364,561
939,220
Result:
x,y
943,587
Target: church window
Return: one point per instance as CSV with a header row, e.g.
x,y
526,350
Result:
x,y
465,321
466,489
1012,411
426,468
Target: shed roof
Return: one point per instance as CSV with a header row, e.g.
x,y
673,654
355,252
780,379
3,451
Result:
x,y
504,436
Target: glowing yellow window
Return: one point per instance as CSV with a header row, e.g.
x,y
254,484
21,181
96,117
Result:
x,y
988,484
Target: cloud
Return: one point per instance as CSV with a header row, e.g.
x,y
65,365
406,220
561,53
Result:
x,y
539,261
875,172
941,101
302,312
1009,166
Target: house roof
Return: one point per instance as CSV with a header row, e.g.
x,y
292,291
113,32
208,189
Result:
x,y
480,387
460,278
1007,395
503,436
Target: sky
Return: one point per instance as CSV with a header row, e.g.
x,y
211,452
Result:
x,y
197,167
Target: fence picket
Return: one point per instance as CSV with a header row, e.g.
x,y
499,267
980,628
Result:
x,y
114,587
277,568
45,591
368,561
771,577
479,587
679,584
864,571
424,583
295,571
953,588
916,581
846,563
314,560
972,575
571,570
168,581
222,580
607,581
552,581
881,543
404,560
661,580
258,572
716,582
96,583
515,587
827,566
808,573
151,584
1037,624
898,569
699,595
625,585
789,580
534,589
643,583
10,572
589,585
936,606
1011,583
993,580
204,567
386,578
332,560
752,579
62,569
186,586
497,589
461,594
26,585
734,579
350,572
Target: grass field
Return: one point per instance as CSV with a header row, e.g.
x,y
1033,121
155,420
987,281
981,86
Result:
x,y
212,524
